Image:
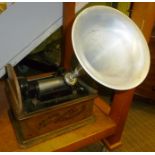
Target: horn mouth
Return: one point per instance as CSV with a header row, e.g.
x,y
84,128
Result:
x,y
110,47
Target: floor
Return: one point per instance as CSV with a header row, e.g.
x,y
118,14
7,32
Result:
x,y
139,132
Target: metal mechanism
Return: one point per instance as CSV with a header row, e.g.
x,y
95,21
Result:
x,y
42,87
48,91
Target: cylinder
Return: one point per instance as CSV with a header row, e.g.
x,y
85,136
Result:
x,y
50,84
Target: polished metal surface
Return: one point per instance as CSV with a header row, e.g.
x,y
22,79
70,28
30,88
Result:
x,y
50,84
71,77
110,47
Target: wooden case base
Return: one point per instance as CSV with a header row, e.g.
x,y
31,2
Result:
x,y
52,122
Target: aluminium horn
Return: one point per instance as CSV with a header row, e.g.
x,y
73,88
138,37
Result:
x,y
110,47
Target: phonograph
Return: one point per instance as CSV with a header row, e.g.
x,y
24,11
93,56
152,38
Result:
x,y
109,47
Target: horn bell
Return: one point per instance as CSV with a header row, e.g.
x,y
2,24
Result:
x,y
110,47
